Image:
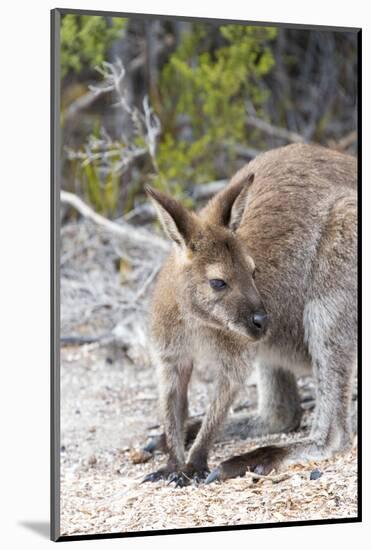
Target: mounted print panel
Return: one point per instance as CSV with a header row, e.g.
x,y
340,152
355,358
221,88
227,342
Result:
x,y
205,274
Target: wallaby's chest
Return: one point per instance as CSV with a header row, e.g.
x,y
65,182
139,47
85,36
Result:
x,y
219,348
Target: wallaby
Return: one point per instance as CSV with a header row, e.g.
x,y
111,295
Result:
x,y
264,277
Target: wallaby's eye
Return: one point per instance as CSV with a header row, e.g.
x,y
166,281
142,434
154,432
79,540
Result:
x,y
217,284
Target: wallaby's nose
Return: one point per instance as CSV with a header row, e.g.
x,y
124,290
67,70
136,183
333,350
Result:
x,y
260,320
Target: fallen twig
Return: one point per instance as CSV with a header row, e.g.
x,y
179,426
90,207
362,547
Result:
x,y
79,340
273,478
147,283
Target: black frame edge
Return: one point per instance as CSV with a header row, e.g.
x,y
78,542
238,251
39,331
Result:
x,y
359,188
212,529
64,11
54,280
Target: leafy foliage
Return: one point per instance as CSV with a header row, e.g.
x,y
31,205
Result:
x,y
204,92
206,83
85,40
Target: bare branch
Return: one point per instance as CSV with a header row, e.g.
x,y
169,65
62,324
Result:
x,y
247,153
113,154
153,130
345,142
137,236
146,213
81,103
204,191
274,131
147,283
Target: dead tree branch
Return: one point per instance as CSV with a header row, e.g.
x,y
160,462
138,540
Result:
x,y
274,131
86,100
145,213
80,104
118,155
205,191
137,236
344,143
247,153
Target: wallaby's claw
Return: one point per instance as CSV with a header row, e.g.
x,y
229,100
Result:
x,y
172,477
179,479
213,476
180,483
200,477
182,479
153,476
166,472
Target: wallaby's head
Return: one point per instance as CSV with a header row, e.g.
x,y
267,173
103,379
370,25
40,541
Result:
x,y
213,269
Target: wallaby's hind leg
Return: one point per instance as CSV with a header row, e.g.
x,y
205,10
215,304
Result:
x,y
330,333
333,373
279,407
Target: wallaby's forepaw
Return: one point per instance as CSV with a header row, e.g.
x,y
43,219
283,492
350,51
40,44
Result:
x,y
260,461
179,476
153,476
162,473
187,476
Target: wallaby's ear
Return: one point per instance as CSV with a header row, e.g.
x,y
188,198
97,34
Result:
x,y
178,223
239,205
227,207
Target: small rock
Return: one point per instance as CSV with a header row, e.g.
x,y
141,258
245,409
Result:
x,y
315,474
139,456
92,460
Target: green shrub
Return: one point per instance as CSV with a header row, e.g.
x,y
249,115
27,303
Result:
x,y
205,89
85,40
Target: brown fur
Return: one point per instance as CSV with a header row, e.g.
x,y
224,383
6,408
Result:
x,y
282,235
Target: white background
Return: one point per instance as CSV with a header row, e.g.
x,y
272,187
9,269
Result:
x,y
24,273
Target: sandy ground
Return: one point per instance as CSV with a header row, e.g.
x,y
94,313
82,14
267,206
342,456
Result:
x,y
108,406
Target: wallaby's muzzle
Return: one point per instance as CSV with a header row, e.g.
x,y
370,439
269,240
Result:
x,y
251,321
258,323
